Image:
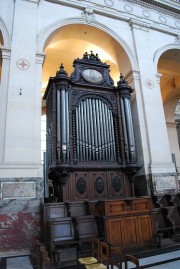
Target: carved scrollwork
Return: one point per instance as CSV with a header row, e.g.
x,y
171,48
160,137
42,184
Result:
x,y
99,185
116,184
81,185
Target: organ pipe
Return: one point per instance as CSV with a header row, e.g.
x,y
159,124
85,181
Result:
x,y
129,140
63,142
130,128
95,131
59,125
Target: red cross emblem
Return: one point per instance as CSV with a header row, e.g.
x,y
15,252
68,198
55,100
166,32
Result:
x,y
22,64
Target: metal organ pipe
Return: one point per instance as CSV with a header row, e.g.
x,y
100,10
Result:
x,y
67,125
89,131
63,124
130,128
98,130
92,129
102,125
59,143
95,131
86,130
129,140
105,132
124,130
77,133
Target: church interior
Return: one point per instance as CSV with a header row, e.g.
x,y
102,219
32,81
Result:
x,y
90,138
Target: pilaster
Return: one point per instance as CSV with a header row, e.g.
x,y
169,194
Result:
x,y
6,54
21,133
161,168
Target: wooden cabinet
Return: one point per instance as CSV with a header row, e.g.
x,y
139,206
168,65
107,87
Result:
x,y
126,223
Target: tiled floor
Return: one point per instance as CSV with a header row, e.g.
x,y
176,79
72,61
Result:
x,y
170,260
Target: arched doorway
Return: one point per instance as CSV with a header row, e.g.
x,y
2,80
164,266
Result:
x,y
169,66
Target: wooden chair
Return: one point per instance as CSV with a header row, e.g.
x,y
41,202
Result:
x,y
132,259
45,262
37,253
115,258
94,254
103,260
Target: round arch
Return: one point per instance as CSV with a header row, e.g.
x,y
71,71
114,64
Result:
x,y
47,33
166,62
5,33
160,51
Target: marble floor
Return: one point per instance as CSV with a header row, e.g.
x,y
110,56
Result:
x,y
170,260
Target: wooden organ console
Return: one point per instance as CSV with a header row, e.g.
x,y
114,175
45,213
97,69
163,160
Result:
x,y
91,149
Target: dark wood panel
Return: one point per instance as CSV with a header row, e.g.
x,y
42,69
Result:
x,y
80,188
131,236
115,234
145,230
98,185
115,182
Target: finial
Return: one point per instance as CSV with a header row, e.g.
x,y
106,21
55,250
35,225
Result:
x,y
122,80
61,71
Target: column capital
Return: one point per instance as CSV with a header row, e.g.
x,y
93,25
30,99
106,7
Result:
x,y
6,52
132,75
40,57
158,77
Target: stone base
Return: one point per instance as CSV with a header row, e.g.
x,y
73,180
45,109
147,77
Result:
x,y
156,184
20,212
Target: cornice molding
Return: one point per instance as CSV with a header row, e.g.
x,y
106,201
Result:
x,y
156,17
33,1
171,5
157,5
135,24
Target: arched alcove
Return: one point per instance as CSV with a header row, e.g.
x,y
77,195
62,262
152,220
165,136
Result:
x,y
169,66
70,41
64,43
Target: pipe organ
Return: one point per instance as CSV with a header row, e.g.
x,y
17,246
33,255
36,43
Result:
x,y
92,158
90,137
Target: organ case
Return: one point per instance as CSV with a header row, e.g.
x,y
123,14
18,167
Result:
x,y
90,138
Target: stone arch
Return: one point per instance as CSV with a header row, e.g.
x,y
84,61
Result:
x,y
167,62
4,33
47,33
160,51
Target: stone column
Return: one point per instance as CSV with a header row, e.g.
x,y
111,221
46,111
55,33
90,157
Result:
x,y
158,156
38,105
